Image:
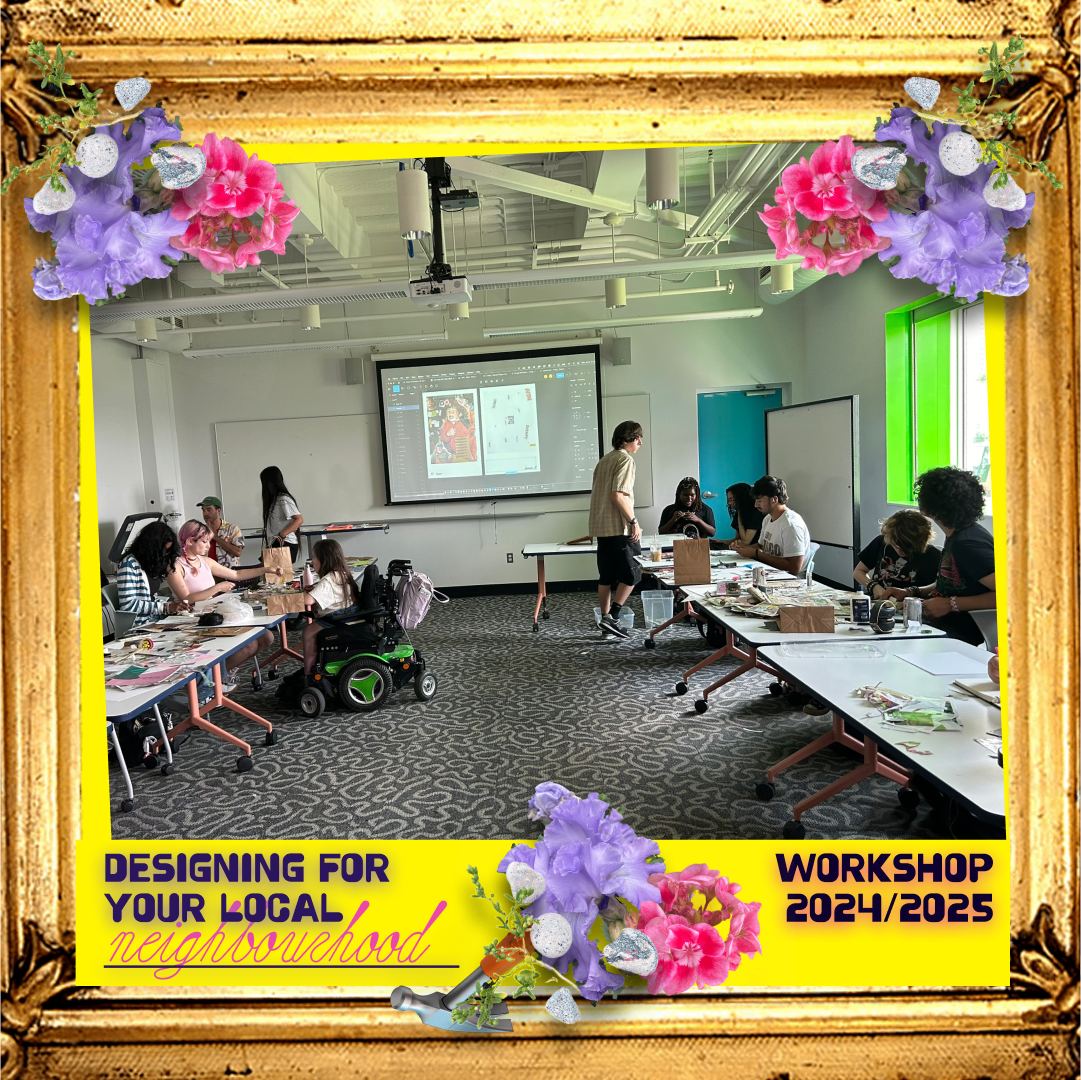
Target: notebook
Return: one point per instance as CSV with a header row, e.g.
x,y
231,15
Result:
x,y
981,688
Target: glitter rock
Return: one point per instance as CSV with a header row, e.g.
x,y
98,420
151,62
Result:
x,y
179,166
50,201
632,951
130,92
96,155
563,1006
521,875
960,153
923,91
878,166
551,935
1010,197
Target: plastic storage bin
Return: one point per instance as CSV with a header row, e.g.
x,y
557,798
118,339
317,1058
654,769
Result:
x,y
626,618
657,606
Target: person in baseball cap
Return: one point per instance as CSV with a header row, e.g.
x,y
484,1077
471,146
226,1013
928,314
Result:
x,y
227,541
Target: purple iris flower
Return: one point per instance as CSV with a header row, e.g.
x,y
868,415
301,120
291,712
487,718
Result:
x,y
1014,280
587,855
956,241
46,283
547,796
102,244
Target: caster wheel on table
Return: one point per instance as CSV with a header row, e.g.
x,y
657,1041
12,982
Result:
x,y
127,805
244,764
272,673
271,738
765,791
649,643
312,703
701,705
908,798
168,770
794,830
681,688
776,689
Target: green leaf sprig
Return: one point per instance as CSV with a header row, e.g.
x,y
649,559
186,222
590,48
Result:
x,y
973,114
478,1007
84,112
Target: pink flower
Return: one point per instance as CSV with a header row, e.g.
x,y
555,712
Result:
x,y
688,955
780,222
743,933
278,215
817,188
239,185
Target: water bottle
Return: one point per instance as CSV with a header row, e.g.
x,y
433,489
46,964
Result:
x,y
808,579
913,613
308,579
861,608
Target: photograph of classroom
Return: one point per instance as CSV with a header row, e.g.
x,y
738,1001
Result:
x,y
708,533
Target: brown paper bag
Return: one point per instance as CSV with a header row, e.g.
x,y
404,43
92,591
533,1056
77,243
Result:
x,y
282,557
691,558
285,603
805,619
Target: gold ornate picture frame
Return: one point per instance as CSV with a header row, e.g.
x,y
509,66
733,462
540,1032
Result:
x,y
541,73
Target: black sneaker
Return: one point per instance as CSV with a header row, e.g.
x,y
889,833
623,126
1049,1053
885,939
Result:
x,y
611,626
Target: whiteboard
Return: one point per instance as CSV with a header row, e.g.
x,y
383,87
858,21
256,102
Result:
x,y
333,465
814,448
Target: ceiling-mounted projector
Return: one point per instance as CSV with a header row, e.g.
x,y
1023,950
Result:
x,y
429,293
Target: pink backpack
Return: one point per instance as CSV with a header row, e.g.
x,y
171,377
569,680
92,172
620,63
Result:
x,y
415,595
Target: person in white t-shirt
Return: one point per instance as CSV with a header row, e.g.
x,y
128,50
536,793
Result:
x,y
336,591
784,540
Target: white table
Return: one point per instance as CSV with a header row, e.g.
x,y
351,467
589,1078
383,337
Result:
x,y
754,632
542,551
957,765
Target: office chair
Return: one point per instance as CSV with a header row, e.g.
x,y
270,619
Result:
x,y
987,621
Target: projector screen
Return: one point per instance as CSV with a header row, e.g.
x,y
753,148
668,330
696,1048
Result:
x,y
491,426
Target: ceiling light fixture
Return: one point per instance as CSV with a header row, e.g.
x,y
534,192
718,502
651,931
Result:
x,y
627,320
615,289
662,178
414,209
146,330
457,311
310,319
782,279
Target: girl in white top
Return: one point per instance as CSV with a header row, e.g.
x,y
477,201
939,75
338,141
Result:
x,y
281,515
335,591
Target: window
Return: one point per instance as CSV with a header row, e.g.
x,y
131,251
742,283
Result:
x,y
936,390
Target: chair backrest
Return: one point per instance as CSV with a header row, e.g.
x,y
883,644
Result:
x,y
987,621
122,621
812,548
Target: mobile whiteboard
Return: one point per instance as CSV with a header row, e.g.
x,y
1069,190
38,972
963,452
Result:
x,y
814,448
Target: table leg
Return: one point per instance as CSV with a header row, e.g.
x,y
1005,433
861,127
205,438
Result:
x,y
836,734
167,768
128,804
872,765
542,595
688,612
197,719
271,662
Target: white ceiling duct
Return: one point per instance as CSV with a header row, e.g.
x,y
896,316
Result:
x,y
627,320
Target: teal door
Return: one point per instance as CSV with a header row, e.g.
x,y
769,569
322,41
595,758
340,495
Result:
x,y
731,443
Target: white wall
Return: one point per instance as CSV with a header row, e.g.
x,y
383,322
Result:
x,y
669,363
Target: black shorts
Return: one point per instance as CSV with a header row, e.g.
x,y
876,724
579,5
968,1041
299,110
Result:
x,y
615,561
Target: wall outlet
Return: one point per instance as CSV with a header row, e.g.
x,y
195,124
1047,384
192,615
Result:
x,y
510,556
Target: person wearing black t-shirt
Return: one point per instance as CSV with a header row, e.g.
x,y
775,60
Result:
x,y
901,556
953,499
688,509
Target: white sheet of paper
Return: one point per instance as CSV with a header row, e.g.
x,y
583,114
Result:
x,y
945,663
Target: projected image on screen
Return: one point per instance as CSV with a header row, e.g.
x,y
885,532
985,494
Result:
x,y
497,425
452,434
511,440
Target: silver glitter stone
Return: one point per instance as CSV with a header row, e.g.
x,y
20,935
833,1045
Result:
x,y
50,201
960,153
632,951
130,92
96,155
179,166
551,935
1010,197
521,875
878,166
923,91
563,1006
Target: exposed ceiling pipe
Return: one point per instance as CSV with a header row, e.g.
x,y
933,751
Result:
x,y
626,320
802,279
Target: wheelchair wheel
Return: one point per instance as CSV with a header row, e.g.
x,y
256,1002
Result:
x,y
364,684
424,685
312,703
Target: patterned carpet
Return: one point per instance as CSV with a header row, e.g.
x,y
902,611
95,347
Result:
x,y
513,709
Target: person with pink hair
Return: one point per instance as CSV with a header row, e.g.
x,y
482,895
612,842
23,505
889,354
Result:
x,y
195,577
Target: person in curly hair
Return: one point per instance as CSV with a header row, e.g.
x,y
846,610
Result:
x,y
687,509
901,556
953,499
151,557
